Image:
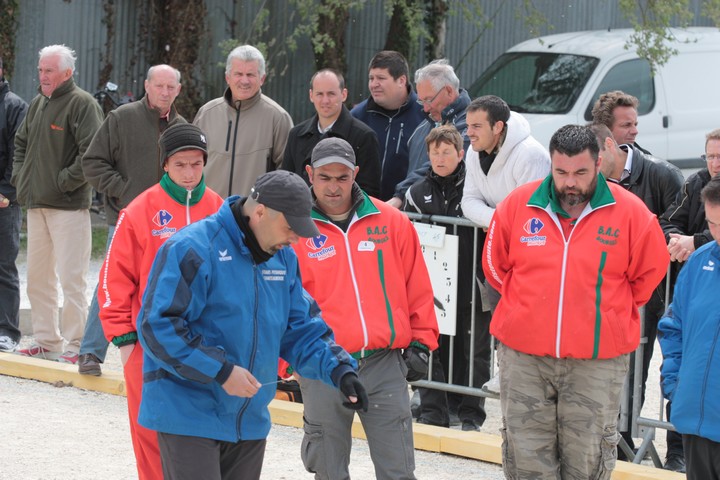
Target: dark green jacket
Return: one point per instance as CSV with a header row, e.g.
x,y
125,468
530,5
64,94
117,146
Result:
x,y
49,145
122,160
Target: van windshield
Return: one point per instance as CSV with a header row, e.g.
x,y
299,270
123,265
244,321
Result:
x,y
536,82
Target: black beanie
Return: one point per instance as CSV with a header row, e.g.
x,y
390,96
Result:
x,y
182,136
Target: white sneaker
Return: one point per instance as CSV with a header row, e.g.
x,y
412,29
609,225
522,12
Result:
x,y
492,385
7,344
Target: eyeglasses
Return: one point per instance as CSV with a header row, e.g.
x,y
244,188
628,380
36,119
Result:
x,y
711,157
422,103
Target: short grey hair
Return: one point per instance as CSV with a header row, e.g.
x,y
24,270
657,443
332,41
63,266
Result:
x,y
439,73
67,56
152,69
246,53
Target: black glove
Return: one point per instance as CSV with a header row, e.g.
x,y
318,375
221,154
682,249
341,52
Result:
x,y
416,360
350,385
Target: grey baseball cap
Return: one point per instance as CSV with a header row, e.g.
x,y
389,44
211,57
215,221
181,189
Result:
x,y
287,193
333,150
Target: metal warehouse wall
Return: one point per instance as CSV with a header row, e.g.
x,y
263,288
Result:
x,y
78,24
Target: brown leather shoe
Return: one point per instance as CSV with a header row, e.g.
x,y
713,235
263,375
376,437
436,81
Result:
x,y
89,364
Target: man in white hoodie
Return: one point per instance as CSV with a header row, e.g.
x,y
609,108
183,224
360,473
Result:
x,y
503,156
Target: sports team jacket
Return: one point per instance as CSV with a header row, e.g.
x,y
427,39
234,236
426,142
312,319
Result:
x,y
142,227
436,195
572,297
393,129
209,306
689,336
371,282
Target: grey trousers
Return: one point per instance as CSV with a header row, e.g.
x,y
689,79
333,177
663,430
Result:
x,y
559,415
327,441
192,458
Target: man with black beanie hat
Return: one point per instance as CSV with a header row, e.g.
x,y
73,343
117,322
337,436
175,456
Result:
x,y
143,226
224,301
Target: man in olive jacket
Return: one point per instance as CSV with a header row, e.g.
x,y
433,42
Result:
x,y
48,176
121,162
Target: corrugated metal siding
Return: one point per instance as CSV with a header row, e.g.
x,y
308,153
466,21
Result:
x,y
78,24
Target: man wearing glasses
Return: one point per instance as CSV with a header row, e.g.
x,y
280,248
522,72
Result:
x,y
684,223
444,103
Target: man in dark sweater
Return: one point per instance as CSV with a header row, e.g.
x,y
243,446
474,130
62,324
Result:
x,y
333,119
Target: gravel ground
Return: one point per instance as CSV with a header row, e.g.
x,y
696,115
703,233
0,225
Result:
x,y
63,432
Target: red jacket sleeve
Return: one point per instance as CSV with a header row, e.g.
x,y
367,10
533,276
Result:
x,y
119,281
495,254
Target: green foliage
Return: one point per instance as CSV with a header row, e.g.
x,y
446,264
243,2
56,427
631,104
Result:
x,y
711,9
8,27
536,22
651,20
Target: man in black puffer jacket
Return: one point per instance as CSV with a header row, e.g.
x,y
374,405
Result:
x,y
440,193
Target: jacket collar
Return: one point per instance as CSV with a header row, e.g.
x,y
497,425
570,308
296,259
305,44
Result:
x,y
4,87
454,178
62,89
179,194
409,102
244,104
361,206
156,113
341,127
456,109
544,196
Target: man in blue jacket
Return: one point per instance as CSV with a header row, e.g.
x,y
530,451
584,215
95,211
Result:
x,y
393,112
444,103
689,337
224,300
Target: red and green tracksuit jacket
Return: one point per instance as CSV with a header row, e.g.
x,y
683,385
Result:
x,y
574,295
371,281
142,227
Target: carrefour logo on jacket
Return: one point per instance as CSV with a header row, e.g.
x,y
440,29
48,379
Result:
x,y
320,251
162,218
533,227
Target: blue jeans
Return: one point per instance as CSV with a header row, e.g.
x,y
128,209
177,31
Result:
x,y
94,338
10,223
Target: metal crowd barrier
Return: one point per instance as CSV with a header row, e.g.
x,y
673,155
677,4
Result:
x,y
475,390
640,427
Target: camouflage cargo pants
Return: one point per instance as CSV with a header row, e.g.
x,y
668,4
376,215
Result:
x,y
559,415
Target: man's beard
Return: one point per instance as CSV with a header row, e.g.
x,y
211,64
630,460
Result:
x,y
575,196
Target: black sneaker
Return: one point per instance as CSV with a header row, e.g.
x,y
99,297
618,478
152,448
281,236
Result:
x,y
675,462
89,364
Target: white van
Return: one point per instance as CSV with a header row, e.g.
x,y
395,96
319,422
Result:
x,y
556,79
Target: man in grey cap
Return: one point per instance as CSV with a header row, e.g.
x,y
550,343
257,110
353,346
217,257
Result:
x,y
367,273
223,301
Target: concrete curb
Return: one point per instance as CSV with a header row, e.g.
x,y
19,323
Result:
x,y
476,445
